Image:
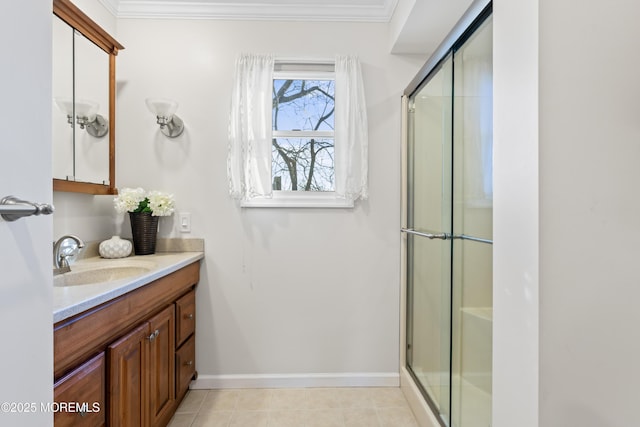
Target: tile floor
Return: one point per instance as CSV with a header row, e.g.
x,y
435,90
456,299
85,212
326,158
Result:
x,y
309,407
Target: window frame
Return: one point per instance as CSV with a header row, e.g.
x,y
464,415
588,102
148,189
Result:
x,y
302,199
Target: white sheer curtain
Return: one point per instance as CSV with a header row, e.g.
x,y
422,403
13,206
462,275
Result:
x,y
249,159
351,130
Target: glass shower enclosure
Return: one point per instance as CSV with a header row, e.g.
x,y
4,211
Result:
x,y
448,227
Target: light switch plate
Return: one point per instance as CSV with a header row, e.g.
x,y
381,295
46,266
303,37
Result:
x,y
184,224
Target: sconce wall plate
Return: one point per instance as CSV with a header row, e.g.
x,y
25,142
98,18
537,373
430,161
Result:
x,y
99,127
171,128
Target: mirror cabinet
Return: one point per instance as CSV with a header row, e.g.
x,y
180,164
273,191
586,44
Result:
x,y
83,105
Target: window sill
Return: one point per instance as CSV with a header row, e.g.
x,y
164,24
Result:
x,y
291,199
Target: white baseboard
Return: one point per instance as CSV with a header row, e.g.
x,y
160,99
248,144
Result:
x,y
350,379
421,410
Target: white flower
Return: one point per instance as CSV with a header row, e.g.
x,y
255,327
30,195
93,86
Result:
x,y
129,199
137,200
161,204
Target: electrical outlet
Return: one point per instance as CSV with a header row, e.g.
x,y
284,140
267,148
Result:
x,y
185,222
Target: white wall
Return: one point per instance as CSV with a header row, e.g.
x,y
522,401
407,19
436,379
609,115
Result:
x,y
515,207
283,291
566,121
589,213
99,14
92,218
418,26
26,288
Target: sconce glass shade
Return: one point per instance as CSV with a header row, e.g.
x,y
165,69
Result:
x,y
86,110
162,107
65,105
164,110
86,115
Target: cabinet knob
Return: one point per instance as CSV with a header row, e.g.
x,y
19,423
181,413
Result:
x,y
189,316
189,363
153,335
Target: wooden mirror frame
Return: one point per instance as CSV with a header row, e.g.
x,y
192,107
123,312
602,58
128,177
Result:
x,y
75,18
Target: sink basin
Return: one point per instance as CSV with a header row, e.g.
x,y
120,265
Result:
x,y
106,271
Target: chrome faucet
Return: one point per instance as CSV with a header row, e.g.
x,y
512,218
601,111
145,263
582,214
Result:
x,y
60,263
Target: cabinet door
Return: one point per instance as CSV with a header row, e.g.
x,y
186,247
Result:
x,y
129,379
86,386
162,366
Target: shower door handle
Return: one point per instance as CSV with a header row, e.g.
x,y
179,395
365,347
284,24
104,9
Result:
x,y
441,236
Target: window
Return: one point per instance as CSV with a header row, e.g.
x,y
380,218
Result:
x,y
303,132
297,133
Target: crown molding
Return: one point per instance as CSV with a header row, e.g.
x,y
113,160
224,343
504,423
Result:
x,y
111,6
381,11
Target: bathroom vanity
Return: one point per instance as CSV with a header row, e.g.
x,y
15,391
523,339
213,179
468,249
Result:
x,y
124,350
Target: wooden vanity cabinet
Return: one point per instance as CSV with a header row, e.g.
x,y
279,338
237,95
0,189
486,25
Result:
x,y
128,358
86,386
162,368
185,342
142,373
146,341
185,366
186,314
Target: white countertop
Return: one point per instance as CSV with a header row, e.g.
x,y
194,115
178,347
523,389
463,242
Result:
x,y
71,300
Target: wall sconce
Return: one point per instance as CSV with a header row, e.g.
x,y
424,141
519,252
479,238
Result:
x,y
86,116
164,110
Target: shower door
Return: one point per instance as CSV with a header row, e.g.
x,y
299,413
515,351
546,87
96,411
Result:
x,y
449,231
429,230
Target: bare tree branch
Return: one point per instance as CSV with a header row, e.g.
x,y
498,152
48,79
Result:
x,y
310,161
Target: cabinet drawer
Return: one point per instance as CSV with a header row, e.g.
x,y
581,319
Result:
x,y
84,390
185,365
186,317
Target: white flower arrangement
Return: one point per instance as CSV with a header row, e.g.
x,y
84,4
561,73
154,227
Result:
x,y
137,200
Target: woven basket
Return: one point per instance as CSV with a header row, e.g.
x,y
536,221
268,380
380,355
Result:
x,y
144,229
